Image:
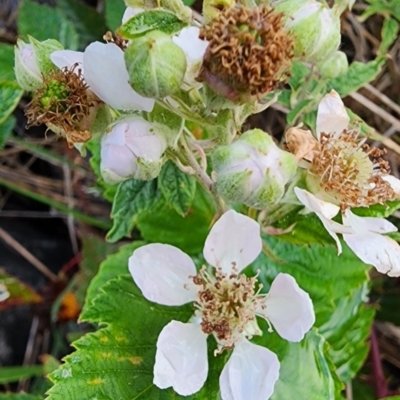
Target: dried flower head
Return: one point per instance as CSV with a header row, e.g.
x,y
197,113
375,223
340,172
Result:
x,y
249,52
63,103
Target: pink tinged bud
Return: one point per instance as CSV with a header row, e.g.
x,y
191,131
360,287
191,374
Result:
x,y
131,150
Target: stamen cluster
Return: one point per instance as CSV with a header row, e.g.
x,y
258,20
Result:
x,y
249,52
62,102
351,171
227,305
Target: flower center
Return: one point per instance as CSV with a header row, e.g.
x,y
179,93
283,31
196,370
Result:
x,y
351,172
227,305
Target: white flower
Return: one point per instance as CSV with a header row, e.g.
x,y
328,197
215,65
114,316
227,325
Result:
x,y
168,276
362,234
131,150
104,70
194,48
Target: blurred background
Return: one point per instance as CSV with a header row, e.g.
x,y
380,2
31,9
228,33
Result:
x,y
53,216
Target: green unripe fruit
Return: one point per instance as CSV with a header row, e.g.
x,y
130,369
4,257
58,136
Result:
x,y
156,65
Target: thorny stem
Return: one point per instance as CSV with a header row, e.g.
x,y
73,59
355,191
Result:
x,y
201,174
381,390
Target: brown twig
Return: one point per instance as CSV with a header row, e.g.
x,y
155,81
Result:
x,y
27,255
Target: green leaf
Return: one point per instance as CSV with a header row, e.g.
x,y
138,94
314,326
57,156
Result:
x,y
6,62
297,111
357,76
10,94
306,372
132,197
6,129
14,374
298,72
378,210
347,331
113,266
390,31
19,396
114,10
89,24
162,224
94,251
56,25
144,22
117,361
177,187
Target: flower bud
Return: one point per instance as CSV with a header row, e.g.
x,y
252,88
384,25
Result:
x,y
334,66
32,61
253,170
156,65
131,150
314,26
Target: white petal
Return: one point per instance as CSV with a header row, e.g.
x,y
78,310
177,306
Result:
x,y
193,47
313,203
250,373
374,249
162,272
234,240
332,116
324,211
393,182
67,58
367,224
289,308
130,12
181,358
106,74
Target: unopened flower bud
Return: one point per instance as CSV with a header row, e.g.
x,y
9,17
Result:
x,y
253,170
32,61
314,26
131,150
156,65
334,66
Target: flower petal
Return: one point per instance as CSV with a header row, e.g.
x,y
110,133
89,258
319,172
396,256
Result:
x,y
332,116
181,358
193,47
106,74
313,203
162,274
289,308
374,249
324,211
234,240
131,12
367,224
393,182
250,373
67,58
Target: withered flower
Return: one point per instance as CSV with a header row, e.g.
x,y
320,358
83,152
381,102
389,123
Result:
x,y
64,104
249,52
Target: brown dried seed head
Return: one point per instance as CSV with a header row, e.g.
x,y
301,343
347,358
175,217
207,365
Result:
x,y
249,52
62,102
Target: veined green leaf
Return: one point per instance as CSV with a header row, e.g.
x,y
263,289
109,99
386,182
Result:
x,y
10,94
140,24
